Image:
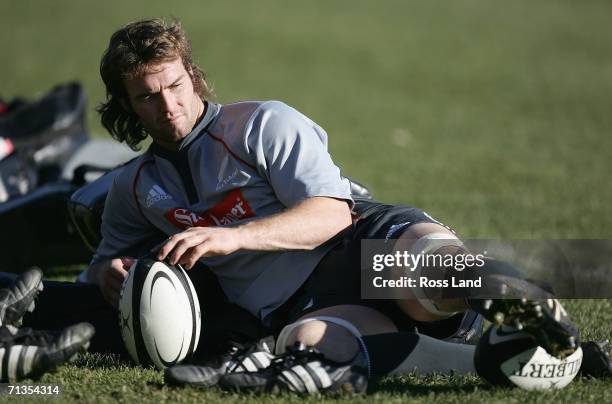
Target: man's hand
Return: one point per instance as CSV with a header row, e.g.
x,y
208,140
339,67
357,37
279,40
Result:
x,y
196,242
109,276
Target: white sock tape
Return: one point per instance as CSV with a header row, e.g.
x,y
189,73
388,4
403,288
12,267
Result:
x,y
425,245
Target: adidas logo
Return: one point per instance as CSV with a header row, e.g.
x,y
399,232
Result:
x,y
156,194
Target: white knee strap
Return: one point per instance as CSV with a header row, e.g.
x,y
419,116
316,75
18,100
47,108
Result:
x,y
427,244
283,336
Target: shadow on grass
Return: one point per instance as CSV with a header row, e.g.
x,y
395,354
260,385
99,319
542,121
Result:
x,y
424,386
412,385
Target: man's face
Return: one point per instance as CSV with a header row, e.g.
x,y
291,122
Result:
x,y
165,101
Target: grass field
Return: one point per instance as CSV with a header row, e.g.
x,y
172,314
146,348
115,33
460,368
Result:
x,y
495,116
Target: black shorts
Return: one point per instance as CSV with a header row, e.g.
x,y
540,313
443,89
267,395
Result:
x,y
337,278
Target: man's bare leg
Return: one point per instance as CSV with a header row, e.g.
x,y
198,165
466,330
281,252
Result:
x,y
387,350
333,340
414,307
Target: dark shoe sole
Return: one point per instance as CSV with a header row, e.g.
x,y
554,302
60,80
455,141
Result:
x,y
548,324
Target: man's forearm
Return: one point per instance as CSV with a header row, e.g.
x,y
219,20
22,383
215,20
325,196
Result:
x,y
302,227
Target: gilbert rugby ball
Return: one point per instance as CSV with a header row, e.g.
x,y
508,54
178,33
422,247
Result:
x,y
505,356
159,314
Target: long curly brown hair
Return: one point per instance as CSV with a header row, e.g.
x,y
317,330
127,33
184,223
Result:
x,y
132,49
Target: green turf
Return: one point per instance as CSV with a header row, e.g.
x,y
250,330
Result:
x,y
493,115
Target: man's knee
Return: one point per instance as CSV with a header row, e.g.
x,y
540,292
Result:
x,y
336,331
335,341
309,333
426,304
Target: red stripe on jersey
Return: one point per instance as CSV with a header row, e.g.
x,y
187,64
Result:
x,y
218,139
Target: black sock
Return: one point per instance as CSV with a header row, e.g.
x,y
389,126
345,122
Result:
x,y
405,352
388,351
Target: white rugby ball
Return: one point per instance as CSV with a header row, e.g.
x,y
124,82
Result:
x,y
159,314
505,356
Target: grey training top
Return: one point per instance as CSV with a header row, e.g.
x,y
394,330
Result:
x,y
242,162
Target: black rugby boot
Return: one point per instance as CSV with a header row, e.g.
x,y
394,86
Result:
x,y
18,299
545,320
509,298
301,370
30,354
238,358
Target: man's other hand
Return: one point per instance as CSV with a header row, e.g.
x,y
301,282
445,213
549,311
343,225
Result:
x,y
109,276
